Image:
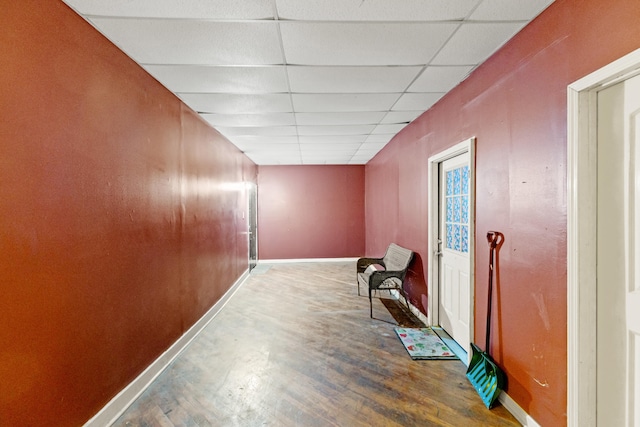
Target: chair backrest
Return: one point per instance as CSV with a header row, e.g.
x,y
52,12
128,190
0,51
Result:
x,y
397,258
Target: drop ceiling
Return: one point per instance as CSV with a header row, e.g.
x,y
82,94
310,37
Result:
x,y
309,82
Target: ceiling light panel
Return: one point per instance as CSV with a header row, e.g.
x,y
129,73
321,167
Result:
x,y
351,79
194,42
199,9
375,10
204,78
363,43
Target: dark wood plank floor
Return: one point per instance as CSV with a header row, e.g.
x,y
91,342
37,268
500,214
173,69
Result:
x,y
295,347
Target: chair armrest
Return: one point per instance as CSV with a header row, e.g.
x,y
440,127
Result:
x,y
363,263
377,278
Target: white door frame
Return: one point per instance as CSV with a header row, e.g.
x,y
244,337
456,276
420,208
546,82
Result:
x,y
433,213
581,235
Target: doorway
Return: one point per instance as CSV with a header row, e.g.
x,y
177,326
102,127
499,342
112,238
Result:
x,y
252,219
603,236
451,249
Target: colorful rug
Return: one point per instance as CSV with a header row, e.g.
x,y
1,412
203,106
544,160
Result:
x,y
424,344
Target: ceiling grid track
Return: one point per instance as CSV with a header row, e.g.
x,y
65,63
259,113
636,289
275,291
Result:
x,y
324,82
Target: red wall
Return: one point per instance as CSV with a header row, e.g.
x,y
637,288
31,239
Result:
x,y
310,212
515,104
120,223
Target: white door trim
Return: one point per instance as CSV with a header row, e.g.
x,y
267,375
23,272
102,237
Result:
x,y
581,235
433,223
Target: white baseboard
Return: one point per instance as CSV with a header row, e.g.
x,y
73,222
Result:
x,y
412,308
287,261
515,409
116,407
506,401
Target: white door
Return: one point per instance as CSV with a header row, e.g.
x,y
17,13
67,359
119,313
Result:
x,y
454,306
618,255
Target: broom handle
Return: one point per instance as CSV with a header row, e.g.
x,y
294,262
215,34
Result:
x,y
492,238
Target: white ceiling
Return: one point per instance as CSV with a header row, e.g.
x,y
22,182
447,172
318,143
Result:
x,y
309,82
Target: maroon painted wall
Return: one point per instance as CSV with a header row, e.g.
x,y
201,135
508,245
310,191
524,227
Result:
x,y
310,211
516,106
116,233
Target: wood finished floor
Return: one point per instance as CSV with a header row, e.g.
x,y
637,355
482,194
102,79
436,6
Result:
x,y
295,347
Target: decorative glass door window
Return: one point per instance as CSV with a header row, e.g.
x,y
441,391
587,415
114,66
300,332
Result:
x,y
457,212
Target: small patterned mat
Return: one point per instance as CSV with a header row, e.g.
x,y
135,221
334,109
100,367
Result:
x,y
424,344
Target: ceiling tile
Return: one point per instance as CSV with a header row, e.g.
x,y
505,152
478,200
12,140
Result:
x,y
417,101
440,79
201,9
335,130
375,10
331,147
272,119
363,43
284,150
387,129
351,79
371,147
231,104
258,147
509,10
177,41
400,116
343,102
203,78
379,138
338,162
265,141
257,131
327,158
348,62
345,118
275,158
359,160
475,42
322,139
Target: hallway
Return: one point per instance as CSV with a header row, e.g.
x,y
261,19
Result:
x,y
295,347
